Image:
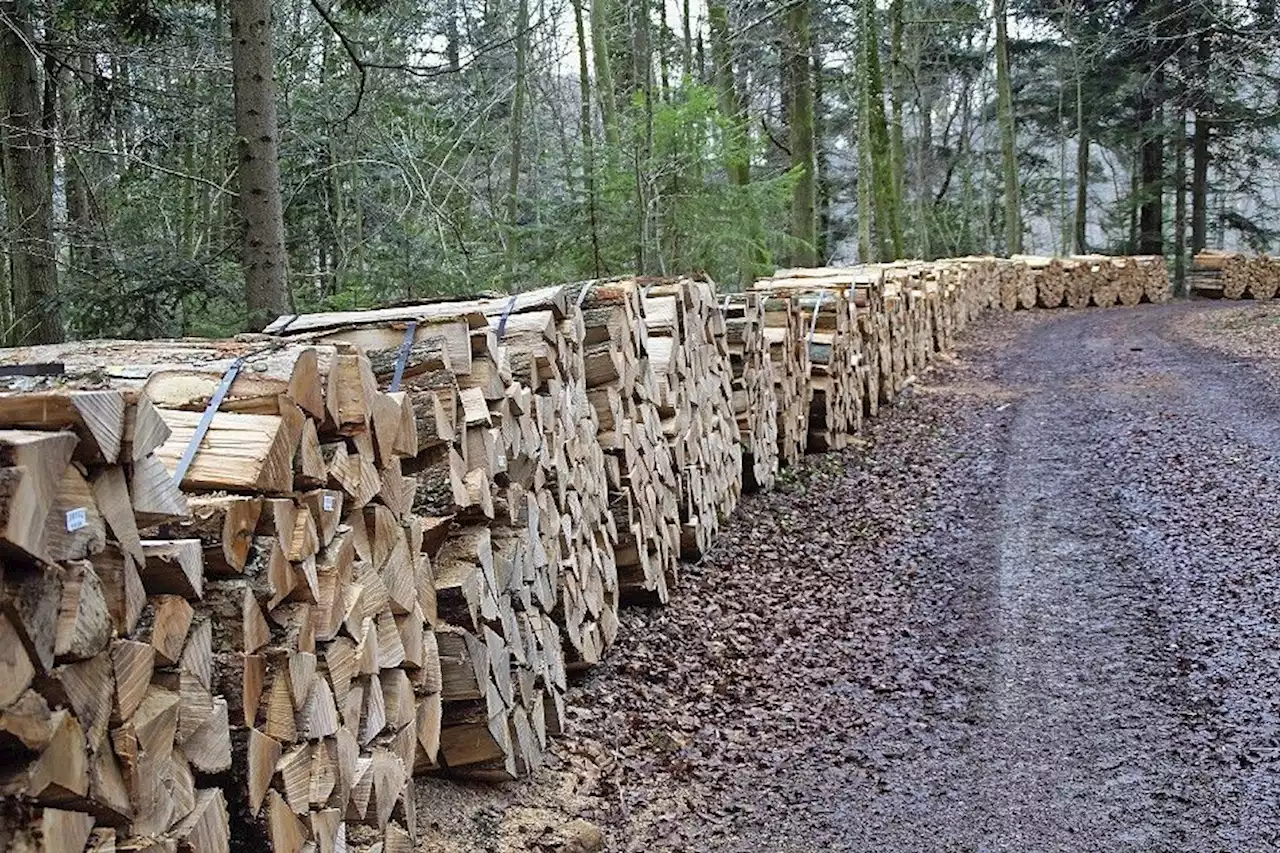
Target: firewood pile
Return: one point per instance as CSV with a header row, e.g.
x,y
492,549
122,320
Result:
x,y
689,357
526,583
755,404
827,303
788,351
1233,275
214,611
1101,281
250,588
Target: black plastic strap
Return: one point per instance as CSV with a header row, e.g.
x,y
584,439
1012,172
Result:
x,y
287,323
202,428
402,358
52,368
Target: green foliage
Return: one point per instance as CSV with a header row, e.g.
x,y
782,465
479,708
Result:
x,y
697,220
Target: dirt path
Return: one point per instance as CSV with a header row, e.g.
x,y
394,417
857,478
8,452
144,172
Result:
x,y
1040,611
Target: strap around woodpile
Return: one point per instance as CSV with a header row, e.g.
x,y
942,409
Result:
x,y
402,357
220,394
53,368
506,314
582,294
287,323
813,327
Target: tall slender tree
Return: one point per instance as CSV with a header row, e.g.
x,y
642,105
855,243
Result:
x,y
257,137
35,316
1008,137
887,219
804,215
517,133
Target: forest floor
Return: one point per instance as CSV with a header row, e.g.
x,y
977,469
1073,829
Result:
x,y
1036,610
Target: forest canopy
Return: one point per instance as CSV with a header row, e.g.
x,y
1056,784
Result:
x,y
197,168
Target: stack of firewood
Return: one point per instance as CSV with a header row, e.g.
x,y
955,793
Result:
x,y
517,480
902,306
689,357
1045,275
250,587
1008,283
641,475
873,332
827,300
755,399
1028,281
1233,275
785,341
109,726
263,581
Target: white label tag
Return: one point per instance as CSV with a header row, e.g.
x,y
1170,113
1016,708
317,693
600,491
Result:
x,y
77,518
329,503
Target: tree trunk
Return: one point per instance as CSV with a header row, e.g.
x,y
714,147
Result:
x,y
1151,216
1180,204
81,234
588,134
866,247
738,165
887,220
1082,172
734,109
29,192
252,70
687,44
1135,201
804,197
517,131
821,164
897,99
664,61
1008,138
641,74
453,48
1200,155
604,71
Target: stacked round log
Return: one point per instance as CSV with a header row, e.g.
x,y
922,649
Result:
x,y
1233,275
1028,283
1131,285
1045,274
1101,273
1237,277
755,399
973,287
689,357
1156,284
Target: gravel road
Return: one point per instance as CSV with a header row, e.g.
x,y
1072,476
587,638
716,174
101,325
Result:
x,y
1037,611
